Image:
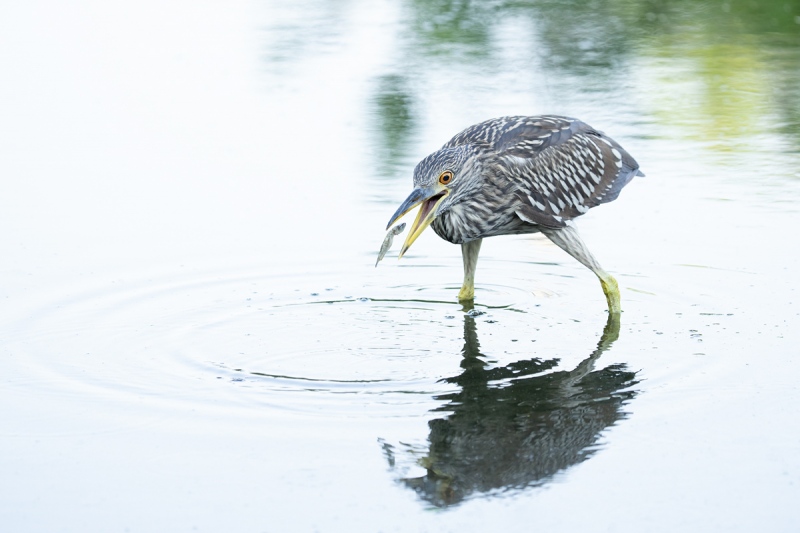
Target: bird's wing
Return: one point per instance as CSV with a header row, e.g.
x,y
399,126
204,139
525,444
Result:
x,y
561,166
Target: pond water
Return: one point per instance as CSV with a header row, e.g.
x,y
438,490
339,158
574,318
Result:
x,y
195,336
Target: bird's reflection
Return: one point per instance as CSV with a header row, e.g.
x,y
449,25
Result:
x,y
516,426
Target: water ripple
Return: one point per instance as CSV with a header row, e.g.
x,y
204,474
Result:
x,y
240,340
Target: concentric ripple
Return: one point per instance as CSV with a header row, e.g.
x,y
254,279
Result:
x,y
296,342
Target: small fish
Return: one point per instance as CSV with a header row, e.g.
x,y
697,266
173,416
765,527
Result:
x,y
387,241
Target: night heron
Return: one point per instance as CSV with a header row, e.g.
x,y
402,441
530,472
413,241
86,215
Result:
x,y
515,175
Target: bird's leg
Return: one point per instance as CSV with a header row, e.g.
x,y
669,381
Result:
x,y
568,239
469,253
611,290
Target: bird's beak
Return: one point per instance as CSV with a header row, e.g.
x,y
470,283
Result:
x,y
430,198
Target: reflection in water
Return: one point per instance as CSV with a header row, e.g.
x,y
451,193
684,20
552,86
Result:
x,y
725,71
393,103
514,427
446,26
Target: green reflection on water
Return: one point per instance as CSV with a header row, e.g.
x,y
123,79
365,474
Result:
x,y
720,73
585,38
452,26
516,426
726,72
395,113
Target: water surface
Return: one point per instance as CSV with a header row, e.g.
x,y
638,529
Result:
x,y
195,337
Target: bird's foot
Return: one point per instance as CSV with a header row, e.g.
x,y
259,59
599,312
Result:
x,y
466,294
611,290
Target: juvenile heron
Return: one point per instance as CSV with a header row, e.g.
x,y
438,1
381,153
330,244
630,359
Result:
x,y
515,175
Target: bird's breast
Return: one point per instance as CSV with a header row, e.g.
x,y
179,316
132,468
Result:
x,y
469,221
450,227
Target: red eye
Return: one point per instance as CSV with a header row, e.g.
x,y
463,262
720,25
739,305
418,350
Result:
x,y
445,177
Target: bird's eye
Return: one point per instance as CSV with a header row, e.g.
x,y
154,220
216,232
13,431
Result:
x,y
445,177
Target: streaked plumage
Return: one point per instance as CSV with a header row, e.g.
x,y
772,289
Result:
x,y
514,175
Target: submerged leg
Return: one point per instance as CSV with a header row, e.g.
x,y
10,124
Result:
x,y
469,253
570,241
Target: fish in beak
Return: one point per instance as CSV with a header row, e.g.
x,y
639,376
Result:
x,y
428,198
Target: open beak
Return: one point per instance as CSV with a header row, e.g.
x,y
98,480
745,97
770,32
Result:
x,y
430,199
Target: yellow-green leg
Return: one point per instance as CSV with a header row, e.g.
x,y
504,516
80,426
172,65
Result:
x,y
469,253
568,239
611,290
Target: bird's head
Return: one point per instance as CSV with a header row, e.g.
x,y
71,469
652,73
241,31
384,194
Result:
x,y
441,180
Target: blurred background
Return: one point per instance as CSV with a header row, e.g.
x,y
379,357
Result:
x,y
194,336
